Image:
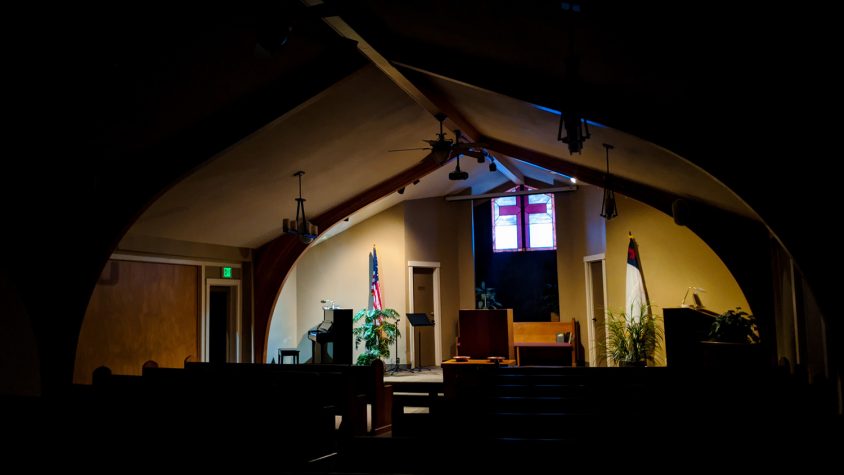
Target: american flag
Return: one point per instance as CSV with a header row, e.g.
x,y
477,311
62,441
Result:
x,y
375,288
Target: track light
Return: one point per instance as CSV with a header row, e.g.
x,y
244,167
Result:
x,y
458,174
416,182
492,166
401,191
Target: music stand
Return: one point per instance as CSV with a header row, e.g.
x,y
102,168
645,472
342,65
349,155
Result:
x,y
419,320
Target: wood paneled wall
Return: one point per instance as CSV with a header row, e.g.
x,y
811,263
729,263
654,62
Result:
x,y
139,311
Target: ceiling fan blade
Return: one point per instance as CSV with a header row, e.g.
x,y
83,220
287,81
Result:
x,y
408,149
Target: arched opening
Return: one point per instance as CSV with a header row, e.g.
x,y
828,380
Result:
x,y
141,115
177,223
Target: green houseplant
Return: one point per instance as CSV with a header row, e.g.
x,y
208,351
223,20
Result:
x,y
377,331
734,326
486,297
632,341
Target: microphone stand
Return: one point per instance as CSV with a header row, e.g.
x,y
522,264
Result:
x,y
397,360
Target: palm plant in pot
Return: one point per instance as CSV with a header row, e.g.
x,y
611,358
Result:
x,y
734,326
486,297
632,337
377,331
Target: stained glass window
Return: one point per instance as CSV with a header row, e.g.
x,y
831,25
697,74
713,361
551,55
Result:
x,y
506,224
524,222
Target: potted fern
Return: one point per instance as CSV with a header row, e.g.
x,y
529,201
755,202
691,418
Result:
x,y
632,340
377,331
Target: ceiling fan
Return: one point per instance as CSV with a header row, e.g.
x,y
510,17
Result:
x,y
444,149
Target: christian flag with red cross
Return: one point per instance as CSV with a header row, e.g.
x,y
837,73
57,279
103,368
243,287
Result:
x,y
636,296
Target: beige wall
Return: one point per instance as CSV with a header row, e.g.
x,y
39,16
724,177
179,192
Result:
x,y
433,234
338,269
673,259
418,230
139,311
581,232
464,224
157,246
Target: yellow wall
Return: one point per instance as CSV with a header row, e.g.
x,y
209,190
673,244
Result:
x,y
282,333
139,311
580,232
673,259
338,269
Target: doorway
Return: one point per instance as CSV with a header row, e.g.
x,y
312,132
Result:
x,y
424,295
596,305
222,321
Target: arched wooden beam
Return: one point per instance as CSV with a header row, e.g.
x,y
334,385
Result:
x,y
657,198
274,259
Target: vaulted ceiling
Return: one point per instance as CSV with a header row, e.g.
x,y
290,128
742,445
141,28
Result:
x,y
341,135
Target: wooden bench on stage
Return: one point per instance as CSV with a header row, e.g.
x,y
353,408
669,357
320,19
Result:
x,y
537,341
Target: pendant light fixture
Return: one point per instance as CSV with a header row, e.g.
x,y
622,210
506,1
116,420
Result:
x,y
301,227
608,207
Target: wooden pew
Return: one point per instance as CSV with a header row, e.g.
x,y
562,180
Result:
x,y
542,337
363,385
415,394
225,408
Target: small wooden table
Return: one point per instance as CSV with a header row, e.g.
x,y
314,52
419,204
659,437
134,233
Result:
x,y
504,362
533,344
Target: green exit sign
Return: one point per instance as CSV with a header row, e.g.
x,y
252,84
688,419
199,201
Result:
x,y
227,272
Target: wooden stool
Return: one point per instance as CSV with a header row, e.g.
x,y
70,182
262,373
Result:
x,y
282,352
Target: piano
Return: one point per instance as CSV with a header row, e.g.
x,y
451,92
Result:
x,y
331,340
